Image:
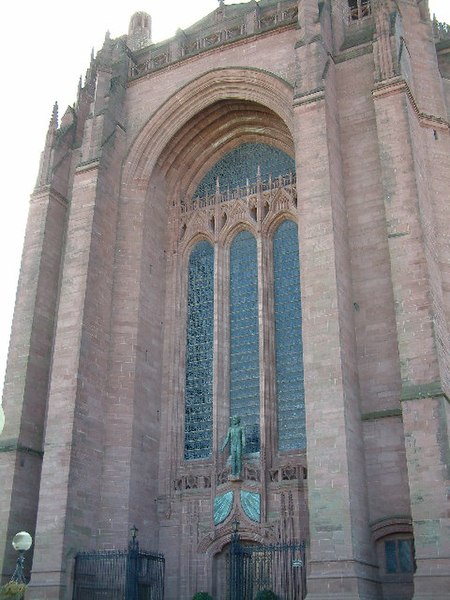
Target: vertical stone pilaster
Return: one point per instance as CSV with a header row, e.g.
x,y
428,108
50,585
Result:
x,y
426,424
69,493
133,410
26,382
421,329
341,563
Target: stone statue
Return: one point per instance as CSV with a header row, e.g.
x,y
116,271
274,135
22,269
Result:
x,y
236,438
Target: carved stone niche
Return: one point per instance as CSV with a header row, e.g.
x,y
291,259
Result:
x,y
287,472
251,473
192,482
222,476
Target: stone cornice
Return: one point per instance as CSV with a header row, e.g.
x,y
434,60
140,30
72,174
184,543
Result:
x,y
397,85
381,414
220,28
133,79
310,97
88,165
47,191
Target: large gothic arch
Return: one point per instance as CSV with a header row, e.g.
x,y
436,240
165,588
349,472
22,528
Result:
x,y
181,141
236,85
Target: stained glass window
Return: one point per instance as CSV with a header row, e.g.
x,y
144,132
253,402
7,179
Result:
x,y
244,337
242,163
288,338
244,368
399,556
199,353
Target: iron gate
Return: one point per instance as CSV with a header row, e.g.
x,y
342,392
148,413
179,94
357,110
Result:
x,y
279,568
119,575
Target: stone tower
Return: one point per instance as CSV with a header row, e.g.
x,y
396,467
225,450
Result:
x,y
248,219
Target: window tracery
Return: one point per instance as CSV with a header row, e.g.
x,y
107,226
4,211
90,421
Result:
x,y
358,9
243,355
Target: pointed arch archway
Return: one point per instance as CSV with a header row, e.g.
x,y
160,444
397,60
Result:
x,y
179,144
188,114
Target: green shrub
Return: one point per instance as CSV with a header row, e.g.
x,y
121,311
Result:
x,y
202,596
12,591
266,595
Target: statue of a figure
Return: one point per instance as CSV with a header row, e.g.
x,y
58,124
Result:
x,y
236,438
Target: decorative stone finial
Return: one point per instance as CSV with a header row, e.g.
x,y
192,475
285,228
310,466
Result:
x,y
54,117
139,31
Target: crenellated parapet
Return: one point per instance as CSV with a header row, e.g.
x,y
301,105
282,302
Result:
x,y
225,25
441,31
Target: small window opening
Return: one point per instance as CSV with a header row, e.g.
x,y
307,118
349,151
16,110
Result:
x,y
399,555
358,9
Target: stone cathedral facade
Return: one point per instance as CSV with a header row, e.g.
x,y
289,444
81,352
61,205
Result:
x,y
250,219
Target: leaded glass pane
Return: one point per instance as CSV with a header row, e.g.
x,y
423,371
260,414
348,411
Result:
x,y
390,548
199,353
405,556
244,337
288,338
242,163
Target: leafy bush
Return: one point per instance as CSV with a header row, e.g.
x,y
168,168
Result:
x,y
266,595
12,591
202,596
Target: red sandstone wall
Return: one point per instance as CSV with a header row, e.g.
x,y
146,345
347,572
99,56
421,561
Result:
x,y
372,162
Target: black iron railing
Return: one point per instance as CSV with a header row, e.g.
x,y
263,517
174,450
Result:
x,y
254,568
130,574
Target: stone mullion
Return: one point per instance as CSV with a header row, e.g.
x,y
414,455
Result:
x,y
419,317
226,335
217,409
268,362
341,548
264,369
180,297
221,358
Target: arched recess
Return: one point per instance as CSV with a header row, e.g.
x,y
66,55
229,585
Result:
x,y
183,138
206,118
216,550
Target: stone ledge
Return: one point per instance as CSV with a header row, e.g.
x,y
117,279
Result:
x,y
14,446
381,414
426,390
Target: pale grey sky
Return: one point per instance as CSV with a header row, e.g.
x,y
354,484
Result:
x,y
46,46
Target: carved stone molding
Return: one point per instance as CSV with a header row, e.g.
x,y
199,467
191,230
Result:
x,y
286,473
192,482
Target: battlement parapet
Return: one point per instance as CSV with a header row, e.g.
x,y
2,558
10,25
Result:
x,y
441,31
226,24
